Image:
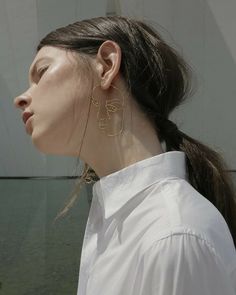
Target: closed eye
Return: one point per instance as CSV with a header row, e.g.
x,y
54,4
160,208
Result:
x,y
41,71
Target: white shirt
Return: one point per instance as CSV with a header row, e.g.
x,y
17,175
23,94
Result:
x,y
150,232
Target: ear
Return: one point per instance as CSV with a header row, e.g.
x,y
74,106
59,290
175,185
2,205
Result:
x,y
109,59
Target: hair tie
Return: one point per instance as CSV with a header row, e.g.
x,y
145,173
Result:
x,y
166,126
170,127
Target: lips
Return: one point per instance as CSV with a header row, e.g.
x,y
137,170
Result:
x,y
26,116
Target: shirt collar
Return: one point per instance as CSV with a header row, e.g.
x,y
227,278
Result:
x,y
116,189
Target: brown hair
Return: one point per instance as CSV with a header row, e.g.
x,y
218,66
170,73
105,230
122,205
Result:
x,y
159,80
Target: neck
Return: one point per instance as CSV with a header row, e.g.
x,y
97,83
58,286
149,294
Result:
x,y
137,142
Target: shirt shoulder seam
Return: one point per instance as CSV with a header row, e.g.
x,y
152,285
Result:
x,y
180,230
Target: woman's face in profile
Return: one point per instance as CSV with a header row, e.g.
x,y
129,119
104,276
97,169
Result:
x,y
58,98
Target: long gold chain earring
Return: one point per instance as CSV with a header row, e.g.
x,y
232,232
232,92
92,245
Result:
x,y
112,105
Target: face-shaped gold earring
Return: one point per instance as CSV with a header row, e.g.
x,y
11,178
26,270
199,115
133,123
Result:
x,y
113,120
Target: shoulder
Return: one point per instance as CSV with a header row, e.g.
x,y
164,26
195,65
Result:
x,y
178,237
184,262
185,207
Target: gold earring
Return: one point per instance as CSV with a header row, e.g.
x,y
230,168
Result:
x,y
109,108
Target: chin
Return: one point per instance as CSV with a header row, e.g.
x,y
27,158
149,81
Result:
x,y
41,143
46,148
49,143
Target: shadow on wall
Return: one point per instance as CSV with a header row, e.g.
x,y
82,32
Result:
x,y
220,73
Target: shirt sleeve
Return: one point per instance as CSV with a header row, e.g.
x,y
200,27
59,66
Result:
x,y
182,264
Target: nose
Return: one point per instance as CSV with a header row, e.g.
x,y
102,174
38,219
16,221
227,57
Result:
x,y
22,101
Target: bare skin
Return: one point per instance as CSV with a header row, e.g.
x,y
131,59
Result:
x,y
64,123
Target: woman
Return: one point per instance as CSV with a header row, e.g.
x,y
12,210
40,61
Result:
x,y
161,221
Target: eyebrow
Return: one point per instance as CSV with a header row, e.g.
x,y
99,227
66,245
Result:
x,y
33,68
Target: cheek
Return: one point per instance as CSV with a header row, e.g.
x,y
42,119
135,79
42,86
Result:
x,y
54,95
61,108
